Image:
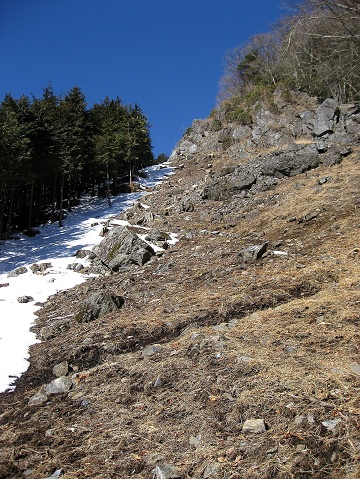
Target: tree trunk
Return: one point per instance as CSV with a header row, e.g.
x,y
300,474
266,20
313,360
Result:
x,y
10,209
53,203
61,200
2,211
30,205
108,186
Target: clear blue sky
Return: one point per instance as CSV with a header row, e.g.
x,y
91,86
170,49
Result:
x,y
166,55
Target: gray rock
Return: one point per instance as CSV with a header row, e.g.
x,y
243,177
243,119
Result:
x,y
309,216
186,206
75,267
155,235
58,385
97,305
151,350
16,272
166,471
60,369
326,117
25,299
355,368
122,247
40,268
38,399
57,327
261,173
195,441
241,132
58,473
244,359
82,253
253,253
158,382
254,426
331,424
211,470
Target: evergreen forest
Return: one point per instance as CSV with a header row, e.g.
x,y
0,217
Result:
x,y
54,149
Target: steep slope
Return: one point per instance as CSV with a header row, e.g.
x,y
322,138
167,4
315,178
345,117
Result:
x,y
253,315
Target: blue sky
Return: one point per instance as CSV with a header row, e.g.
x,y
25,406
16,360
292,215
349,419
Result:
x,y
166,55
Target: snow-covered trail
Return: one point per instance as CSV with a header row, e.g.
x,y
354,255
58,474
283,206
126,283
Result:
x,y
56,246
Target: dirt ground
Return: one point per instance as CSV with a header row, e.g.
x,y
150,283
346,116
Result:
x,y
205,342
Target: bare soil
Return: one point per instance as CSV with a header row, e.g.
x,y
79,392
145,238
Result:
x,y
276,339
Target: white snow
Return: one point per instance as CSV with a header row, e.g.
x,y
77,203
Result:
x,y
58,246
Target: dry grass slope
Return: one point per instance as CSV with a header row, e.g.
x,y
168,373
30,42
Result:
x,y
277,339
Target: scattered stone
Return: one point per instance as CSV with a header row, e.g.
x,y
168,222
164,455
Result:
x,y
211,470
75,267
59,385
322,181
309,216
355,368
299,420
38,399
151,350
25,299
254,426
244,359
97,305
195,441
82,253
186,207
153,458
156,235
166,471
272,450
158,382
331,424
16,272
253,252
56,475
60,369
40,268
56,328
4,285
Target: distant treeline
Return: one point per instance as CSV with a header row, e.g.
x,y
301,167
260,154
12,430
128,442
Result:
x,y
53,149
315,50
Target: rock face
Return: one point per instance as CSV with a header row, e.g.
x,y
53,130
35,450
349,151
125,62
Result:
x,y
261,173
122,248
330,129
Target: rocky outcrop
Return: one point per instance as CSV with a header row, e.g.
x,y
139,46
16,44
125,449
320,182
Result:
x,y
261,173
329,125
305,139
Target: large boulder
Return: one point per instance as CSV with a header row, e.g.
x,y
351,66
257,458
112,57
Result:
x,y
97,305
122,247
326,117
